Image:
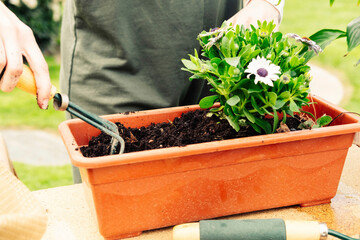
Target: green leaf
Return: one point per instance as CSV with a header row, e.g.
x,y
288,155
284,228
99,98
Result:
x,y
289,112
255,127
208,102
240,84
272,98
233,100
276,121
331,2
284,116
294,61
266,111
255,88
279,104
222,68
244,51
249,116
256,106
323,38
189,64
277,36
195,76
263,124
213,53
246,93
254,38
225,47
233,123
265,43
324,120
309,113
233,61
215,60
253,28
254,54
353,34
285,95
196,53
293,106
215,110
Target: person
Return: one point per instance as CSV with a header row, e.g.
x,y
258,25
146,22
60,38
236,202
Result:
x,y
119,56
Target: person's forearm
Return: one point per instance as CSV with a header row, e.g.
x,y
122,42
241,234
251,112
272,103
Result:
x,y
278,4
261,10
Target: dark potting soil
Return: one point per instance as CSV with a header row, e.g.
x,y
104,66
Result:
x,y
192,127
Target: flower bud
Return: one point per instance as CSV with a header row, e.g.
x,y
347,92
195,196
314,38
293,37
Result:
x,y
285,78
236,71
308,76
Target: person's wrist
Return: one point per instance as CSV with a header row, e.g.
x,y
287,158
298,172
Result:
x,y
278,5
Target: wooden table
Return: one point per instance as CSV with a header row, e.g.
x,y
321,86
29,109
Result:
x,y
70,218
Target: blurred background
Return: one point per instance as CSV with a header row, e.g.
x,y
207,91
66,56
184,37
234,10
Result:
x,y
19,111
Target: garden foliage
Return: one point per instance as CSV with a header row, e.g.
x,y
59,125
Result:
x,y
247,97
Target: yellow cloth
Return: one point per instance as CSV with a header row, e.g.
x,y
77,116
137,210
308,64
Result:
x,y
22,217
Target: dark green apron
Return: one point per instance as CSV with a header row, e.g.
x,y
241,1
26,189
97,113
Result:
x,y
125,55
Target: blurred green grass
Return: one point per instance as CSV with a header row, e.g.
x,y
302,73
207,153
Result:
x,y
43,177
306,17
19,109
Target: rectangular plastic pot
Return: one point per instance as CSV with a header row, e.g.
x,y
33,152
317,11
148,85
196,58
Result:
x,y
134,192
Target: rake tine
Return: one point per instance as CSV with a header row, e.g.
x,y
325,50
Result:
x,y
61,102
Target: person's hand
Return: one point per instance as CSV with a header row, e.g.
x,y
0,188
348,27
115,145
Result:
x,y
17,40
254,11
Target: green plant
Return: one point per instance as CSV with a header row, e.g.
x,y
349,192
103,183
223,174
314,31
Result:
x,y
253,73
324,37
320,122
352,34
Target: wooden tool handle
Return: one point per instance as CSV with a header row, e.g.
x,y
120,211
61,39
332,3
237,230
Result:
x,y
187,231
27,83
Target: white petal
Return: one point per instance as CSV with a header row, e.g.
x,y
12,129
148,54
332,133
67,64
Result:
x,y
274,70
273,77
268,82
249,75
252,71
257,79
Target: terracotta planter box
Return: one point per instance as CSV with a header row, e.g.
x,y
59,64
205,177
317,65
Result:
x,y
134,192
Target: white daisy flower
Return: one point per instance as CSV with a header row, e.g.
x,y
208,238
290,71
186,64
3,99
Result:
x,y
264,71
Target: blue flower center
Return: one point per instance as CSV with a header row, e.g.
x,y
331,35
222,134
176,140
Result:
x,y
262,72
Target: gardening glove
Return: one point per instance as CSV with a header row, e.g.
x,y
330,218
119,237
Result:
x,y
17,40
262,10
